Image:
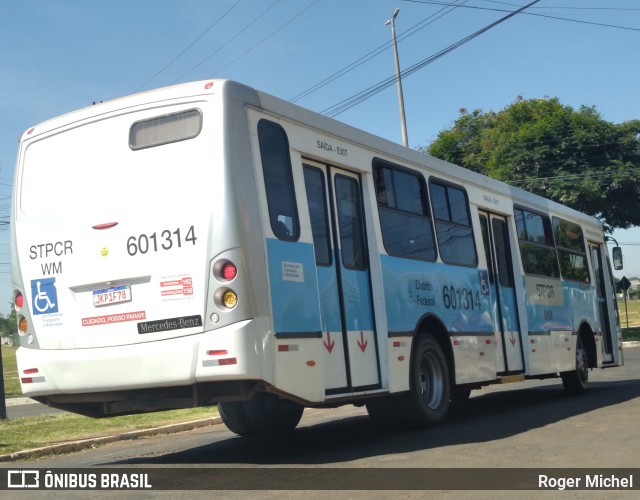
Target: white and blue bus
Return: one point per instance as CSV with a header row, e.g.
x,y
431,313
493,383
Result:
x,y
208,243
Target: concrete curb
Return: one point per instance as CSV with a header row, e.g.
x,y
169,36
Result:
x,y
83,444
19,401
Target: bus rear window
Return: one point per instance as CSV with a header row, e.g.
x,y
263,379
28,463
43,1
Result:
x,y
165,129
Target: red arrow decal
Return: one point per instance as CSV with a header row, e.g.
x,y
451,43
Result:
x,y
512,340
362,343
331,343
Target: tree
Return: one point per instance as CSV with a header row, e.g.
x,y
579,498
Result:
x,y
574,157
8,323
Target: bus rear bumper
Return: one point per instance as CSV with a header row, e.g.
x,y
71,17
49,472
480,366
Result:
x,y
97,375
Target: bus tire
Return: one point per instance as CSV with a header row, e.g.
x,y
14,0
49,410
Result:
x,y
269,414
427,402
233,416
262,414
575,381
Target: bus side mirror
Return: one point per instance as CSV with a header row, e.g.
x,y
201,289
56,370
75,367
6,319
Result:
x,y
616,252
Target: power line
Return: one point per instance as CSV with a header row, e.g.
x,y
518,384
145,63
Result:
x,y
557,177
375,52
433,2
362,96
246,27
189,46
565,7
581,160
269,36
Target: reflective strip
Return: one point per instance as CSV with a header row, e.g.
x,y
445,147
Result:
x,y
220,362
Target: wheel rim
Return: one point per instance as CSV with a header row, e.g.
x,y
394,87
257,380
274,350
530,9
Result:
x,y
431,380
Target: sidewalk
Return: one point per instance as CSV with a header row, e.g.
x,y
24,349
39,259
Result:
x,y
82,444
19,401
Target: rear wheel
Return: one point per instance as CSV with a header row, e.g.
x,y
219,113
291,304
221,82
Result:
x,y
233,416
575,381
427,402
262,414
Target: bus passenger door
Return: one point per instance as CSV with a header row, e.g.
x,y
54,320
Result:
x,y
495,235
344,287
603,309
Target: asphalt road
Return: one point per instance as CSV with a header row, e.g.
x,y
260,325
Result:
x,y
526,425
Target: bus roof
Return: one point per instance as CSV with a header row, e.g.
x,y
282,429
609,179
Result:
x,y
295,113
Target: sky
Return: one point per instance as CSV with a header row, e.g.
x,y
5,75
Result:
x,y
59,56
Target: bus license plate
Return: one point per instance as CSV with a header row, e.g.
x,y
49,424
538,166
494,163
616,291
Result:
x,y
114,295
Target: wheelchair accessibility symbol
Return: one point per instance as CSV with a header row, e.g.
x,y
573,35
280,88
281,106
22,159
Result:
x,y
484,282
44,296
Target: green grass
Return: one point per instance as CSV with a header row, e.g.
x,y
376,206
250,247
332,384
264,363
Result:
x,y
632,312
631,333
35,432
10,372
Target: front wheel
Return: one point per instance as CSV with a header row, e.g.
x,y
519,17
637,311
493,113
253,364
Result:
x,y
427,403
575,381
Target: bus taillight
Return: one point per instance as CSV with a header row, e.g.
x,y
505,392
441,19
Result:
x,y
230,299
18,301
22,325
224,270
229,271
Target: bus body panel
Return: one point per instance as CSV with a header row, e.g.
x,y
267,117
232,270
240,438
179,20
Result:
x,y
414,289
180,361
293,281
109,253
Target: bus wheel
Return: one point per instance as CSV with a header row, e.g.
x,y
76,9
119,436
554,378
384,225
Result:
x,y
262,414
575,381
427,402
233,416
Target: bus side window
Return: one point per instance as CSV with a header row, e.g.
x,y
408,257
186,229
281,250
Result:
x,y
453,224
350,222
278,180
572,251
316,200
537,249
403,207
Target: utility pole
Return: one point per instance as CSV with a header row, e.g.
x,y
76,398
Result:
x,y
403,121
3,404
